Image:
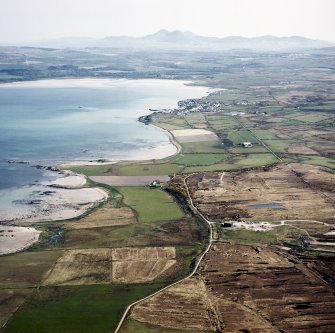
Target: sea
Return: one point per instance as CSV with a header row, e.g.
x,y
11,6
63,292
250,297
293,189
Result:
x,y
50,122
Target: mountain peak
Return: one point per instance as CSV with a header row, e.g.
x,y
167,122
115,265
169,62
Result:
x,y
167,36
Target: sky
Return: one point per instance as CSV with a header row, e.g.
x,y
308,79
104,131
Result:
x,y
37,20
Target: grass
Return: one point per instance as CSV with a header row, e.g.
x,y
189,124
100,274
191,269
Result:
x,y
318,160
264,134
169,122
95,237
25,269
312,117
133,326
223,122
151,205
250,150
202,147
188,159
241,161
279,145
145,169
80,309
254,160
10,300
128,169
249,236
240,136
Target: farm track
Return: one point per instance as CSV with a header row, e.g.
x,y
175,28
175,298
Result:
x,y
209,223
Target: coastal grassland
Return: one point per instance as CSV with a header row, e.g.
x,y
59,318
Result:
x,y
77,309
143,169
169,122
190,159
237,161
10,301
222,122
149,168
151,205
202,147
196,120
132,326
26,269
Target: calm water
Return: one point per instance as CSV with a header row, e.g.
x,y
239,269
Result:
x,y
55,121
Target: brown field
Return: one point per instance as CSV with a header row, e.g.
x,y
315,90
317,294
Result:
x,y
106,216
301,149
128,265
81,267
134,265
169,309
194,135
245,289
297,191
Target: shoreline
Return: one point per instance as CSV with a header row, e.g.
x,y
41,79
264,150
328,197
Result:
x,y
61,186
66,197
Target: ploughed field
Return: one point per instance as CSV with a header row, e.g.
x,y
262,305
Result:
x,y
120,265
286,191
242,288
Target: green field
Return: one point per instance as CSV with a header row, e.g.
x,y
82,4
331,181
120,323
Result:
x,y
188,159
80,309
234,162
279,145
240,136
128,169
203,147
151,205
318,160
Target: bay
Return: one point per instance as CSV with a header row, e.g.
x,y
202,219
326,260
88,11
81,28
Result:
x,y
51,122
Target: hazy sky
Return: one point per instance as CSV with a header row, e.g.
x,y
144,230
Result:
x,y
31,20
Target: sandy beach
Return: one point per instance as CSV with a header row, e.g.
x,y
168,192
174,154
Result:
x,y
67,197
14,239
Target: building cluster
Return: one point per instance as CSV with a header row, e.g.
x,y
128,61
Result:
x,y
199,105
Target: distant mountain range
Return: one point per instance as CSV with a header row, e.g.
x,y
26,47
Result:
x,y
186,40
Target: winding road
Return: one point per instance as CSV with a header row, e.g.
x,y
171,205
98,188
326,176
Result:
x,y
195,210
